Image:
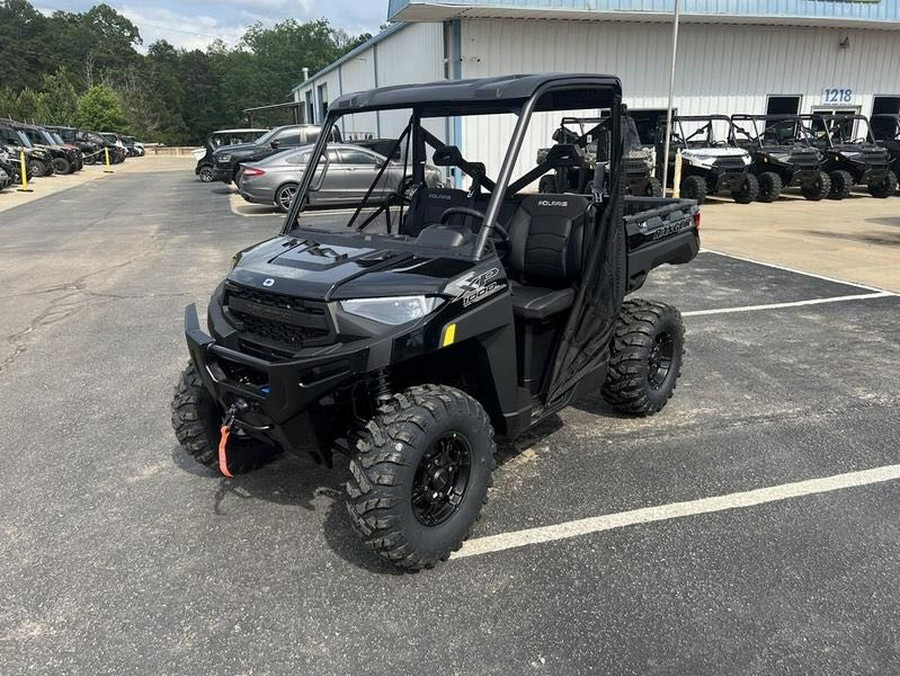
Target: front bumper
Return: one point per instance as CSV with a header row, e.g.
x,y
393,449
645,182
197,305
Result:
x,y
223,172
282,397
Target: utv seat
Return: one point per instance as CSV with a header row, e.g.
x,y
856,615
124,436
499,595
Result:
x,y
546,248
429,204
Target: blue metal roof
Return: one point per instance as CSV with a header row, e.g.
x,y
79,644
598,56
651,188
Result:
x,y
850,10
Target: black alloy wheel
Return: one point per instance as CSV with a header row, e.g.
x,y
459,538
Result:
x,y
441,479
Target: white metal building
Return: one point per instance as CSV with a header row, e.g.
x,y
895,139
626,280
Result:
x,y
734,56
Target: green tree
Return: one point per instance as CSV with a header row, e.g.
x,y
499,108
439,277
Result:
x,y
100,109
60,98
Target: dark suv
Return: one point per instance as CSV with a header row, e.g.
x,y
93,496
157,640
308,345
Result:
x,y
227,159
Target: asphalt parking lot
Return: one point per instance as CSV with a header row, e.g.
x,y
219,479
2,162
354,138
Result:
x,y
751,527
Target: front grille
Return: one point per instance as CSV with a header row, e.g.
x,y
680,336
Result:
x,y
273,318
875,158
804,159
730,164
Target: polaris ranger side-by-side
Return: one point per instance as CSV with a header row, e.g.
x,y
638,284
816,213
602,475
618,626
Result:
x,y
709,164
783,155
407,334
852,157
592,136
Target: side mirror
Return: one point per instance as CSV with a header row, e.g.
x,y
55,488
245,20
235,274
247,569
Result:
x,y
275,143
378,165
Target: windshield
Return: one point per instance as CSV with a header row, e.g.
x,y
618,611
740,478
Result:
x,y
58,138
831,130
446,181
23,138
47,137
701,132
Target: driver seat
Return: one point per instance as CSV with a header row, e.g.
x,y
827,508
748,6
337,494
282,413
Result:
x,y
546,241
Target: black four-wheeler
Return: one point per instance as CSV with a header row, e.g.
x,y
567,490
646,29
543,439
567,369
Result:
x,y
471,312
591,136
783,155
70,136
37,160
709,164
65,160
886,130
852,157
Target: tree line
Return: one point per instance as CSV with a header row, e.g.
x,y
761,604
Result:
x,y
84,69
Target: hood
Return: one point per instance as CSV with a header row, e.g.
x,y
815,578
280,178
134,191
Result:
x,y
314,271
237,149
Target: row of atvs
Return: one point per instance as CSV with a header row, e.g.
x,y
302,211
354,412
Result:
x,y
48,150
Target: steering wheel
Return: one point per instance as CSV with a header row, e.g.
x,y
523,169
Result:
x,y
467,211
403,193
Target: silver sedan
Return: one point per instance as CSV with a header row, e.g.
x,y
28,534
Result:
x,y
351,171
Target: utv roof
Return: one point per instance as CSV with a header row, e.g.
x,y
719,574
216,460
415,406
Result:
x,y
489,95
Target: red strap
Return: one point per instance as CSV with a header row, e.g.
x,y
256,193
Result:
x,y
223,454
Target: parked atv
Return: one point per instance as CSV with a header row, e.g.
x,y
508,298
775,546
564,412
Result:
x,y
852,157
467,314
710,164
591,135
783,155
886,130
38,160
7,169
205,169
64,160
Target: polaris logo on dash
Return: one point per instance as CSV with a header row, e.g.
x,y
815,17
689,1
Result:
x,y
269,282
548,203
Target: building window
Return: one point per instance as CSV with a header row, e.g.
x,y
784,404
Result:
x,y
782,105
322,91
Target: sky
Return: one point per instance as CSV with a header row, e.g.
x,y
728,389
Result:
x,y
196,23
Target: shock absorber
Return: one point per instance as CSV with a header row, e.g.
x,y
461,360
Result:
x,y
381,386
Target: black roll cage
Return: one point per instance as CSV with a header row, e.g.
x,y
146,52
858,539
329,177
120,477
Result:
x,y
838,117
801,132
549,93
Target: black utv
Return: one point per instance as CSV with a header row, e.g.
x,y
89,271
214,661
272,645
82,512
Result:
x,y
852,157
709,163
39,161
886,130
71,137
783,155
406,335
591,136
65,160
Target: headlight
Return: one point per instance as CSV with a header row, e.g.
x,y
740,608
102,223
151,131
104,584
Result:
x,y
394,311
223,158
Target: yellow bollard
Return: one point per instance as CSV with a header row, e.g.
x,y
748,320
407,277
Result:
x,y
676,177
106,152
23,173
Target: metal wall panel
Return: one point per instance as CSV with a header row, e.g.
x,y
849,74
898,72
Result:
x,y
721,68
415,53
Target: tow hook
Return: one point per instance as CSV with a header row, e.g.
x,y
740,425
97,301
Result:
x,y
223,440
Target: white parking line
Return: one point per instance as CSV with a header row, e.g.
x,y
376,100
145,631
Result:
x,y
795,271
675,510
796,303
